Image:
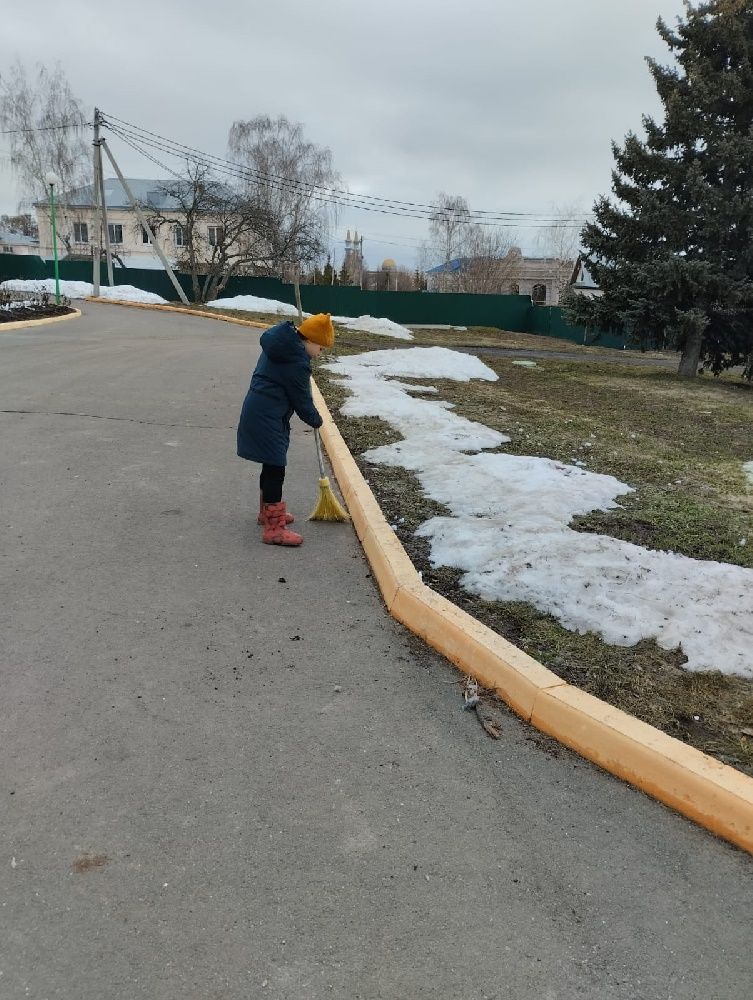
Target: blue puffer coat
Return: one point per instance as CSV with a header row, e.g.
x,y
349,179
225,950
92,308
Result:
x,y
280,386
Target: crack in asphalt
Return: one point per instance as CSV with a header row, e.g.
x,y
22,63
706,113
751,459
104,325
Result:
x,y
102,416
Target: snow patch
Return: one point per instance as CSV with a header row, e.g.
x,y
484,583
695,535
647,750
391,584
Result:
x,y
83,289
372,324
251,303
748,470
366,324
509,526
414,362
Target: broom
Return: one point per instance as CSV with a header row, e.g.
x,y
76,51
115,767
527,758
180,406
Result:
x,y
328,507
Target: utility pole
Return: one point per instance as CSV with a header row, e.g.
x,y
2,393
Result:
x,y
148,229
96,258
103,203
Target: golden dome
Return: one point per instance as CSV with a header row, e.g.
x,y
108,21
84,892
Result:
x,y
388,264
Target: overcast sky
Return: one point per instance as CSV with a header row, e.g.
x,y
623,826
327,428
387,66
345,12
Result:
x,y
511,105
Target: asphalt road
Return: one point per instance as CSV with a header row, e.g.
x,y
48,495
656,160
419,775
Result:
x,y
228,773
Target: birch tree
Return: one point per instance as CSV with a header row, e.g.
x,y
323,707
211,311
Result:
x,y
47,132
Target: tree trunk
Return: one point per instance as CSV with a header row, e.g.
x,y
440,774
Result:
x,y
695,324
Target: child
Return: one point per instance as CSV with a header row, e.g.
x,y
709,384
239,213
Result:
x,y
280,386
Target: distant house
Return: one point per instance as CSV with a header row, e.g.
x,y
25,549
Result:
x,y
538,277
541,278
76,223
13,242
582,282
443,277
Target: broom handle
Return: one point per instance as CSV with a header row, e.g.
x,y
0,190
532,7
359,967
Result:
x,y
297,290
322,473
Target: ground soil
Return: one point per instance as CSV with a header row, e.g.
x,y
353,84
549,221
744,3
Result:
x,y
19,313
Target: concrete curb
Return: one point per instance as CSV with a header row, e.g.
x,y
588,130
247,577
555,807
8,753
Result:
x,y
205,313
23,323
711,793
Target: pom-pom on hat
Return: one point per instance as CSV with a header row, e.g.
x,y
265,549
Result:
x,y
318,329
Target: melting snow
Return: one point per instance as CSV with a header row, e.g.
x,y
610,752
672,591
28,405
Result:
x,y
509,526
83,289
367,324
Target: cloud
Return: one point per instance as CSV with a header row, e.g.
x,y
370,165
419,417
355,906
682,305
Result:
x,y
513,106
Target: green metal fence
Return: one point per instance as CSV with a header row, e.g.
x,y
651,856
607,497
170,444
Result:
x,y
506,312
549,321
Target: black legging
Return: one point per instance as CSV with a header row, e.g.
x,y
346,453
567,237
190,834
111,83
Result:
x,y
270,482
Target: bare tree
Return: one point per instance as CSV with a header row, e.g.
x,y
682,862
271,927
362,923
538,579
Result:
x,y
22,223
448,230
561,240
492,262
289,179
221,230
488,259
47,129
218,231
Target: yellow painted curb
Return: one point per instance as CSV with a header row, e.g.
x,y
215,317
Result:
x,y
23,323
206,314
495,663
702,788
711,793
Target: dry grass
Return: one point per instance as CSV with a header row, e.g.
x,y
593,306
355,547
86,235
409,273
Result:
x,y
681,445
350,341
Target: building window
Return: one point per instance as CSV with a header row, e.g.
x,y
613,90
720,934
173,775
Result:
x,y
80,232
144,235
538,294
514,288
215,235
179,236
115,232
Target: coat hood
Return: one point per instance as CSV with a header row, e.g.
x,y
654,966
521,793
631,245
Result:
x,y
283,344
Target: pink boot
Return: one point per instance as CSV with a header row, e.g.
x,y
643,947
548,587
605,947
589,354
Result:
x,y
275,532
260,519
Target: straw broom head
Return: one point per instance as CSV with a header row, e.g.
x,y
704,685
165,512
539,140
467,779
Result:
x,y
328,508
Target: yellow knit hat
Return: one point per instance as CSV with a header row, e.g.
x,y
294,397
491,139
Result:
x,y
318,329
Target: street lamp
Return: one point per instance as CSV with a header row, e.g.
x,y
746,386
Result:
x,y
52,180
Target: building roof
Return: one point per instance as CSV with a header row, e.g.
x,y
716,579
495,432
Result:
x,y
581,277
11,238
149,192
448,266
460,262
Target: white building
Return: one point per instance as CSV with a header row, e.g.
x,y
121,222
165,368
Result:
x,y
13,242
538,277
75,222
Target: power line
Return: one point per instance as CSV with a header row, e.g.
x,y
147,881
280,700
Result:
x,y
44,128
243,174
335,196
238,172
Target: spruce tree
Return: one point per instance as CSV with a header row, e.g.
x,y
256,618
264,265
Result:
x,y
328,275
673,250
